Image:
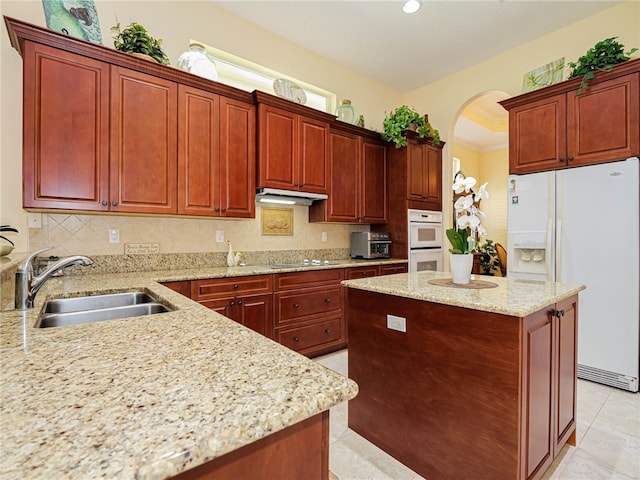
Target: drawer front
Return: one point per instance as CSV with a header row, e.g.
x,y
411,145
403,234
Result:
x,y
391,269
311,336
293,306
230,286
361,272
288,281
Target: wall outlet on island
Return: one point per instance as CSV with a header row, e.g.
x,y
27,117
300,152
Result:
x,y
396,323
219,236
324,236
114,235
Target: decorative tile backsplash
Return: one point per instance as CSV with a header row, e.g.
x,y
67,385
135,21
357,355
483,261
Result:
x,y
72,234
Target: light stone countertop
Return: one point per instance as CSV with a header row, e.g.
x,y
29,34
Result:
x,y
511,297
147,397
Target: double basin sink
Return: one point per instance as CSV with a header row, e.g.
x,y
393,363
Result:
x,y
59,312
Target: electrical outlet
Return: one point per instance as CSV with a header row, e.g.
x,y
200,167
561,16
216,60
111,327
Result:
x,y
114,235
35,220
396,323
219,236
324,236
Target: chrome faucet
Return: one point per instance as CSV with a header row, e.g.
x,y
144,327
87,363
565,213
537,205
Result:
x,y
27,284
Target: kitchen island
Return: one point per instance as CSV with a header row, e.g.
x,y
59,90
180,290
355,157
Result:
x,y
182,393
464,382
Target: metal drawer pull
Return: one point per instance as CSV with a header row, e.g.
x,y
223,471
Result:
x,y
328,330
236,286
296,305
296,339
328,300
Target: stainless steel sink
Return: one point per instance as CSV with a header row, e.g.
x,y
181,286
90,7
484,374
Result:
x,y
94,308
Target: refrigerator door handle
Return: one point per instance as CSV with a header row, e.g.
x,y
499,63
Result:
x,y
558,276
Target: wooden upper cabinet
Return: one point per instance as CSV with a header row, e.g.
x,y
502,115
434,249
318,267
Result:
x,y
358,181
216,155
198,151
65,130
293,150
143,143
237,158
603,122
554,128
373,174
424,174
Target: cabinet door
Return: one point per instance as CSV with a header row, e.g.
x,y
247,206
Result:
x,y
392,269
361,272
416,171
373,174
256,312
537,135
603,121
182,287
566,338
277,161
537,411
66,130
433,180
223,306
313,141
237,159
342,204
198,147
143,143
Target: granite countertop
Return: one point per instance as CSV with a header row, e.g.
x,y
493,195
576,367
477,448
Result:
x,y
147,397
510,297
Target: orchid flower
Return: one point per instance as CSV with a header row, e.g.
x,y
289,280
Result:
x,y
463,185
482,193
468,221
463,203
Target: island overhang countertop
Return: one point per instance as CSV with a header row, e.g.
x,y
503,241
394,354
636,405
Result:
x,y
512,297
148,397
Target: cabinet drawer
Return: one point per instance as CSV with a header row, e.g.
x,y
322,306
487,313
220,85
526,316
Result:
x,y
303,303
230,286
361,272
309,337
288,281
391,269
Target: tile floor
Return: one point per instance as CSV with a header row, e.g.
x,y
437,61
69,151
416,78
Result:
x,y
608,438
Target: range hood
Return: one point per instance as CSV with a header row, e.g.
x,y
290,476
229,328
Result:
x,y
287,197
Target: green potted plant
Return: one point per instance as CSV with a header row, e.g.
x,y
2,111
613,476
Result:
x,y
6,249
134,38
601,57
488,257
405,118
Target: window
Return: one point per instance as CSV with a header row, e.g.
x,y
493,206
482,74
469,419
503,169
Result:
x,y
249,76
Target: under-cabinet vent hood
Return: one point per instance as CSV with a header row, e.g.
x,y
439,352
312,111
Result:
x,y
287,197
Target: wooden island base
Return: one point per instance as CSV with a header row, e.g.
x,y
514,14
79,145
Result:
x,y
463,393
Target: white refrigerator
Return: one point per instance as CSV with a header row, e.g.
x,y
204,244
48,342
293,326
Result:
x,y
580,226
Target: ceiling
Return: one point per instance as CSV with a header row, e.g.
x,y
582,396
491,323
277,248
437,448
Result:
x,y
375,38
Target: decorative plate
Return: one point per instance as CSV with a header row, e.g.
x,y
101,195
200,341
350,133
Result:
x,y
287,89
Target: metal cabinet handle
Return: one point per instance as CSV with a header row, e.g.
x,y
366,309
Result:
x,y
239,302
114,203
327,331
569,158
558,313
217,209
232,303
296,305
104,203
236,286
296,339
328,300
561,159
224,209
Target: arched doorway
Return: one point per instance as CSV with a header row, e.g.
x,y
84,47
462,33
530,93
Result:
x,y
480,148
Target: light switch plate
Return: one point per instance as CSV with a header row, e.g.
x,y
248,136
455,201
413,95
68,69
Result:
x,y
396,323
114,235
219,236
35,220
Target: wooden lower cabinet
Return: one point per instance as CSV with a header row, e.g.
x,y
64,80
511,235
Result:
x,y
308,311
182,287
247,300
463,393
298,452
391,269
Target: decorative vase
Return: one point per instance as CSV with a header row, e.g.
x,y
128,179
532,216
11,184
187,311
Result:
x,y
197,61
461,266
346,113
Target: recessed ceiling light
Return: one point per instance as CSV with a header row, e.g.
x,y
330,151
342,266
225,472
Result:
x,y
411,6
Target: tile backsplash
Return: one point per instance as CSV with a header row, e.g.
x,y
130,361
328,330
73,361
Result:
x,y
71,234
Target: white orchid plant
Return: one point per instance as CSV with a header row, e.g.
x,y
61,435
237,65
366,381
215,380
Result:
x,y
464,236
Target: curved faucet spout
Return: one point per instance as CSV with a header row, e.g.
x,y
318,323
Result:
x,y
28,285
